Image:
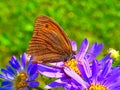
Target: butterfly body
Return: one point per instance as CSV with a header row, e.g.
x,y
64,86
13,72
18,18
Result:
x,y
49,43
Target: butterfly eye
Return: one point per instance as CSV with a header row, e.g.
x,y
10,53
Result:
x,y
46,25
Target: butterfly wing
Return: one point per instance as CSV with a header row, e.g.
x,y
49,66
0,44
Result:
x,y
49,43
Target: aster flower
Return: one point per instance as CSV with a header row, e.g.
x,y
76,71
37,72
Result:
x,y
56,70
20,75
94,78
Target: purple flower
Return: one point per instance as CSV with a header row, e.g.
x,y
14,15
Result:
x,y
20,75
95,78
56,70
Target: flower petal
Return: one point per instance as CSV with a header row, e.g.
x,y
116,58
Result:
x,y
106,69
83,49
105,59
50,71
74,45
6,88
24,57
75,76
83,73
114,86
33,84
14,63
32,69
26,88
10,70
3,76
94,50
33,77
58,64
94,71
113,77
58,84
30,61
86,67
6,83
7,73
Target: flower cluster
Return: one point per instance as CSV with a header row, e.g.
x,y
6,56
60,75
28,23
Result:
x,y
82,72
20,74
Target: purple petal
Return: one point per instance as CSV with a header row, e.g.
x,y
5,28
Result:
x,y
30,61
14,63
87,68
115,69
33,84
94,71
50,71
24,57
25,88
10,70
2,76
94,50
68,87
7,73
83,49
83,73
33,77
74,45
57,64
106,69
99,49
58,84
114,86
6,83
111,80
32,69
17,64
31,58
75,76
90,54
6,88
105,59
113,77
76,85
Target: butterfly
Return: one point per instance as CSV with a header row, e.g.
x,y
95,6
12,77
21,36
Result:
x,y
49,43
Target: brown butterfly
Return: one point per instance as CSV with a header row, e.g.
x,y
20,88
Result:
x,y
49,43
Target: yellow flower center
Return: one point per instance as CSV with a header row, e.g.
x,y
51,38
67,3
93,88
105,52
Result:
x,y
114,53
97,87
72,64
20,81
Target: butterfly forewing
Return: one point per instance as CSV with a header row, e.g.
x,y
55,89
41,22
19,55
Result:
x,y
49,43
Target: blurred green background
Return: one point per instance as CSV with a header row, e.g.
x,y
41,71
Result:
x,y
96,20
